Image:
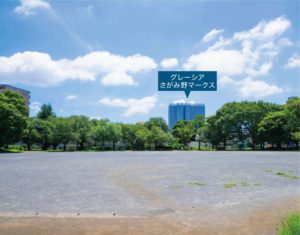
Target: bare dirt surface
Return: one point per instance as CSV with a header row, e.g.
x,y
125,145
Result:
x,y
147,193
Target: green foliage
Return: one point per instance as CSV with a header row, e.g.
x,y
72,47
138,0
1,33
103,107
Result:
x,y
113,133
31,134
197,184
13,117
230,185
62,132
213,131
272,128
99,132
128,135
46,112
250,114
292,177
199,122
81,126
158,138
44,130
245,184
157,122
290,225
238,122
142,136
184,131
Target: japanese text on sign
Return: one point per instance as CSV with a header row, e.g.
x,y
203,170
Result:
x,y
187,81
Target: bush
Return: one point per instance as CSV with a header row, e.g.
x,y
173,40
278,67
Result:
x,y
290,225
15,147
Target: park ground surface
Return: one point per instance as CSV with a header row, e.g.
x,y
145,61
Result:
x,y
147,192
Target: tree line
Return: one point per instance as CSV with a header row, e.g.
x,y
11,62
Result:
x,y
241,123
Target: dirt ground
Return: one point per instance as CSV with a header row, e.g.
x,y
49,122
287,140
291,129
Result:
x,y
261,221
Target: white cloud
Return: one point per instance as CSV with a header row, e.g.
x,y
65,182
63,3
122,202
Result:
x,y
71,97
256,88
169,63
29,7
262,70
265,30
225,80
35,107
39,69
212,34
117,78
184,102
293,62
246,54
221,43
134,106
227,62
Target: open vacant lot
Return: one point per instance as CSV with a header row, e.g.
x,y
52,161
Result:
x,y
147,192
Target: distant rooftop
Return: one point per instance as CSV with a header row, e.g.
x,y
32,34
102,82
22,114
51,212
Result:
x,y
13,88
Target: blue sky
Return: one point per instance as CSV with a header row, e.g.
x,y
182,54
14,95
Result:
x,y
100,58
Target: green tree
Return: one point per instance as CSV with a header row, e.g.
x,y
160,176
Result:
x,y
114,133
81,127
46,112
44,129
31,134
62,132
99,132
227,124
213,132
141,137
292,109
158,138
158,122
184,131
128,135
272,128
13,117
199,122
250,114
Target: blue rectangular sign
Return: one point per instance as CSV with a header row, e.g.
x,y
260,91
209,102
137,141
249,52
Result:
x,y
187,81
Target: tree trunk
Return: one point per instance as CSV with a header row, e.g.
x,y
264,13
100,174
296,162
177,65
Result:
x,y
28,146
65,147
199,145
113,145
279,145
253,145
261,146
81,146
224,143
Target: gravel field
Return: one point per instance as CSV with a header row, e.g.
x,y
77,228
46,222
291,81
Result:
x,y
154,192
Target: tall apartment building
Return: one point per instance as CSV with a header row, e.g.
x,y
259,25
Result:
x,y
24,93
184,111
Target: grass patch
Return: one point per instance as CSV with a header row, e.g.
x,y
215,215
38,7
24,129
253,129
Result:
x,y
292,177
256,184
176,187
269,171
290,225
197,184
230,185
10,151
245,184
